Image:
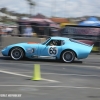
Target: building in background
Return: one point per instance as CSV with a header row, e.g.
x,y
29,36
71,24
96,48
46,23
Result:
x,y
62,21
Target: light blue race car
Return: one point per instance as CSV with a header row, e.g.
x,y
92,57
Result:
x,y
63,48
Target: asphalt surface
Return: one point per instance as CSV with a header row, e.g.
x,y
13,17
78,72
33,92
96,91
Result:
x,y
60,81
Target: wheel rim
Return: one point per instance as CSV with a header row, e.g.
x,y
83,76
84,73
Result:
x,y
16,53
68,56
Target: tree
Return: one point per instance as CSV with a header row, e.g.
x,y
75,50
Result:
x,y
4,10
31,4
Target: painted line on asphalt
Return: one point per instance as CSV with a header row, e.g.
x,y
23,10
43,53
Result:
x,y
72,74
83,75
75,65
17,74
59,86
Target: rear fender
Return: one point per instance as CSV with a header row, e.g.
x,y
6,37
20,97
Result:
x,y
84,51
68,50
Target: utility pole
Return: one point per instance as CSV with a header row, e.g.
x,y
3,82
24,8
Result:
x,y
53,8
31,5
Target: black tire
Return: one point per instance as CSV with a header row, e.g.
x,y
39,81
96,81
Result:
x,y
68,56
17,53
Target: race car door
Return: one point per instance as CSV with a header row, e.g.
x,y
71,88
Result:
x,y
51,49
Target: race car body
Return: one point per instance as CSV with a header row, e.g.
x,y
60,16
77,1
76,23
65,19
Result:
x,y
62,48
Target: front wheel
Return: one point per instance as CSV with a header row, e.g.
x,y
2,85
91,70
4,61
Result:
x,y
68,56
17,53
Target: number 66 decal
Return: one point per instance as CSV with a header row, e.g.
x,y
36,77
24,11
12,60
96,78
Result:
x,y
53,51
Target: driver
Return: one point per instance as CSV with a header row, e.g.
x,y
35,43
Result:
x,y
53,43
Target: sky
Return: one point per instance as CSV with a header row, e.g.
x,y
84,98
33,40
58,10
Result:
x,y
57,8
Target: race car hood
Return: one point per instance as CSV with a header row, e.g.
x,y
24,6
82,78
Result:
x,y
24,45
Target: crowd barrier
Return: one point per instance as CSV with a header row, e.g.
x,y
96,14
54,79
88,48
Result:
x,y
8,40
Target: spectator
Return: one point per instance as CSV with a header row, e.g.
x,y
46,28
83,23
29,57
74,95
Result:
x,y
28,31
9,30
3,29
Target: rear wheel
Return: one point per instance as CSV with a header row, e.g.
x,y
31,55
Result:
x,y
68,56
17,53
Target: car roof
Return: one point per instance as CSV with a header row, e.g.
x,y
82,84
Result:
x,y
58,37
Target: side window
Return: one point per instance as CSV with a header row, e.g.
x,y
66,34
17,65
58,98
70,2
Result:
x,y
62,42
55,43
51,43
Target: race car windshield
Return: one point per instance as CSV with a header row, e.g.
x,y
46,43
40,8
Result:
x,y
46,41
